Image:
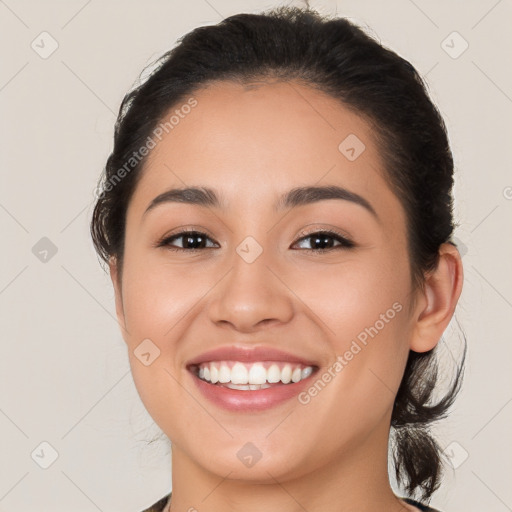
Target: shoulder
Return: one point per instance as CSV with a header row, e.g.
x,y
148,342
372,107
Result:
x,y
159,505
420,506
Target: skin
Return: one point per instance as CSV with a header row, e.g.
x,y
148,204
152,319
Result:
x,y
252,144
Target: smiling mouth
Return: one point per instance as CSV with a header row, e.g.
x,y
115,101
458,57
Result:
x,y
253,376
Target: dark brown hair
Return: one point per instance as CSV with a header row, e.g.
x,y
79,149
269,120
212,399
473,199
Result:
x,y
340,59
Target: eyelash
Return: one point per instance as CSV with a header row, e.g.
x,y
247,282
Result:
x,y
345,242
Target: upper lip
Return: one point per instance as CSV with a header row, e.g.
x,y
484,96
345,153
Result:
x,y
246,354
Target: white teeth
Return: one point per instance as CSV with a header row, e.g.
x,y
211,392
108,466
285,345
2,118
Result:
x,y
296,375
252,376
306,372
224,373
214,374
273,374
246,387
257,374
239,374
286,374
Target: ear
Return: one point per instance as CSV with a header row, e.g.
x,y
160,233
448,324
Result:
x,y
437,302
114,276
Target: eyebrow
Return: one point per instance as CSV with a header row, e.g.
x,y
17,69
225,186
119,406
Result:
x,y
299,196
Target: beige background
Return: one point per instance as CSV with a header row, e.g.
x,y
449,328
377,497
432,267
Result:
x,y
64,370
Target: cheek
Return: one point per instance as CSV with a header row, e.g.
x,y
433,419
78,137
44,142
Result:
x,y
156,297
365,324
355,295
157,301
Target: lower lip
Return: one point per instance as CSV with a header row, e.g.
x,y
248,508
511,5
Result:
x,y
248,400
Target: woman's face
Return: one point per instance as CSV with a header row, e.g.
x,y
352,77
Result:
x,y
254,282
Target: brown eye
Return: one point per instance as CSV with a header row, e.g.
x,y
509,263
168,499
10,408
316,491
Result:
x,y
195,241
191,241
324,239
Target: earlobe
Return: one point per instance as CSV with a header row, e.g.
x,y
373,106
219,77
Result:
x,y
114,276
441,293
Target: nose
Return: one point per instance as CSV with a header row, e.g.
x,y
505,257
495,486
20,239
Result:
x,y
251,296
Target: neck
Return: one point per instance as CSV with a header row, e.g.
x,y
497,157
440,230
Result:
x,y
356,479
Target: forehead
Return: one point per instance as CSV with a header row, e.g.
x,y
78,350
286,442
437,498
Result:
x,y
254,142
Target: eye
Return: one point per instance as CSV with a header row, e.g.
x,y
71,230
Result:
x,y
322,238
192,241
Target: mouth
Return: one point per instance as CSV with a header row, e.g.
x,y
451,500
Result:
x,y
250,386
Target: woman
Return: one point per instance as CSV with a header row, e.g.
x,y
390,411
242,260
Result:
x,y
277,219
